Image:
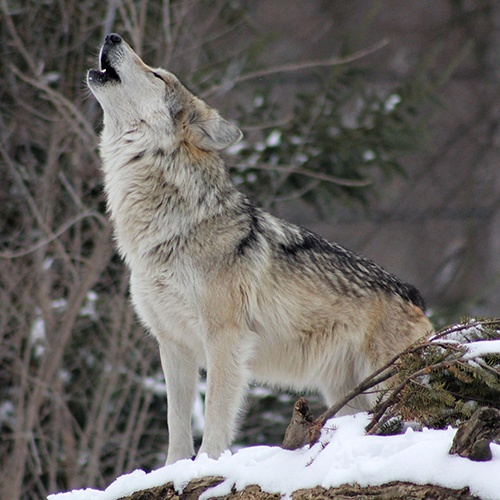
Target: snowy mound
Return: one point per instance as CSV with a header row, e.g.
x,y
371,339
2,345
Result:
x,y
344,454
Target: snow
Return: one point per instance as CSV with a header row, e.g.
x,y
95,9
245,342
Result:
x,y
391,103
274,139
344,454
482,348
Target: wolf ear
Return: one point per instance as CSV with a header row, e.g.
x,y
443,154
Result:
x,y
208,131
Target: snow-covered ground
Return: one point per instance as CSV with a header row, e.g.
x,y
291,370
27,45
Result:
x,y
344,454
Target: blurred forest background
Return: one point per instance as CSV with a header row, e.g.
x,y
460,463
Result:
x,y
372,122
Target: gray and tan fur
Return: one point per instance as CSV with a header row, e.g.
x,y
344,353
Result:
x,y
220,283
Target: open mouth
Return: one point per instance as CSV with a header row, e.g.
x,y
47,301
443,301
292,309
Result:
x,y
107,69
106,73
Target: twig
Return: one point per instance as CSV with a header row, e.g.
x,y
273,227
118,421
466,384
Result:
x,y
458,328
316,175
368,383
84,129
313,428
316,111
298,193
376,378
53,236
17,40
286,68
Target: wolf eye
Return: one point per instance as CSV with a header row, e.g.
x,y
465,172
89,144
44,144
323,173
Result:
x,y
158,76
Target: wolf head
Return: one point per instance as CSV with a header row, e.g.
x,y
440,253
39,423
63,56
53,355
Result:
x,y
131,93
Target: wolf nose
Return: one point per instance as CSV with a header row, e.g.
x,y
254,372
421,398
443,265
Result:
x,y
113,38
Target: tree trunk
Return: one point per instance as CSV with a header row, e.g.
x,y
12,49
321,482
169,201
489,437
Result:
x,y
394,490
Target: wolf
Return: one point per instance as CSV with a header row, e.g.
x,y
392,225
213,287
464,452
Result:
x,y
220,283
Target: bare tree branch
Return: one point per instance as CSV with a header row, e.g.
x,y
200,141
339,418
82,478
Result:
x,y
286,68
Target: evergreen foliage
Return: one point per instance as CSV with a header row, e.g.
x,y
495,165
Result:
x,y
342,136
440,382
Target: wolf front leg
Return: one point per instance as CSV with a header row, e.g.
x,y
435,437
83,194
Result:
x,y
227,377
181,376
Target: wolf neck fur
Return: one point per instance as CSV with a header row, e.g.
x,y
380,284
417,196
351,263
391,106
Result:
x,y
160,193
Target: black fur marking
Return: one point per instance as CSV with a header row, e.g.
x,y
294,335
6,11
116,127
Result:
x,y
160,153
247,242
250,240
415,297
308,243
136,157
361,271
164,251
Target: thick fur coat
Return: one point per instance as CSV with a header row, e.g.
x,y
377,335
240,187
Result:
x,y
220,283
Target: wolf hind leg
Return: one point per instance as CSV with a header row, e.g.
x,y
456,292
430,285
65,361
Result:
x,y
181,376
358,369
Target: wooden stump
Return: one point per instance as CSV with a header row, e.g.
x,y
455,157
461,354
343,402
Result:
x,y
473,437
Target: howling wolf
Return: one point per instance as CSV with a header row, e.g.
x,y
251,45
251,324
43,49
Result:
x,y
220,283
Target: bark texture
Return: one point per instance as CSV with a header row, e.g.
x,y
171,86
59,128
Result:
x,y
473,438
390,491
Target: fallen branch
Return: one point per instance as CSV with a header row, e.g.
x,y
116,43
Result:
x,y
298,432
473,438
449,356
303,429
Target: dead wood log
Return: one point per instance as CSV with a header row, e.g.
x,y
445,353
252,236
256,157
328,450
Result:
x,y
391,491
473,437
298,432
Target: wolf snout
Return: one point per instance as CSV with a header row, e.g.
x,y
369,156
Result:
x,y
112,39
